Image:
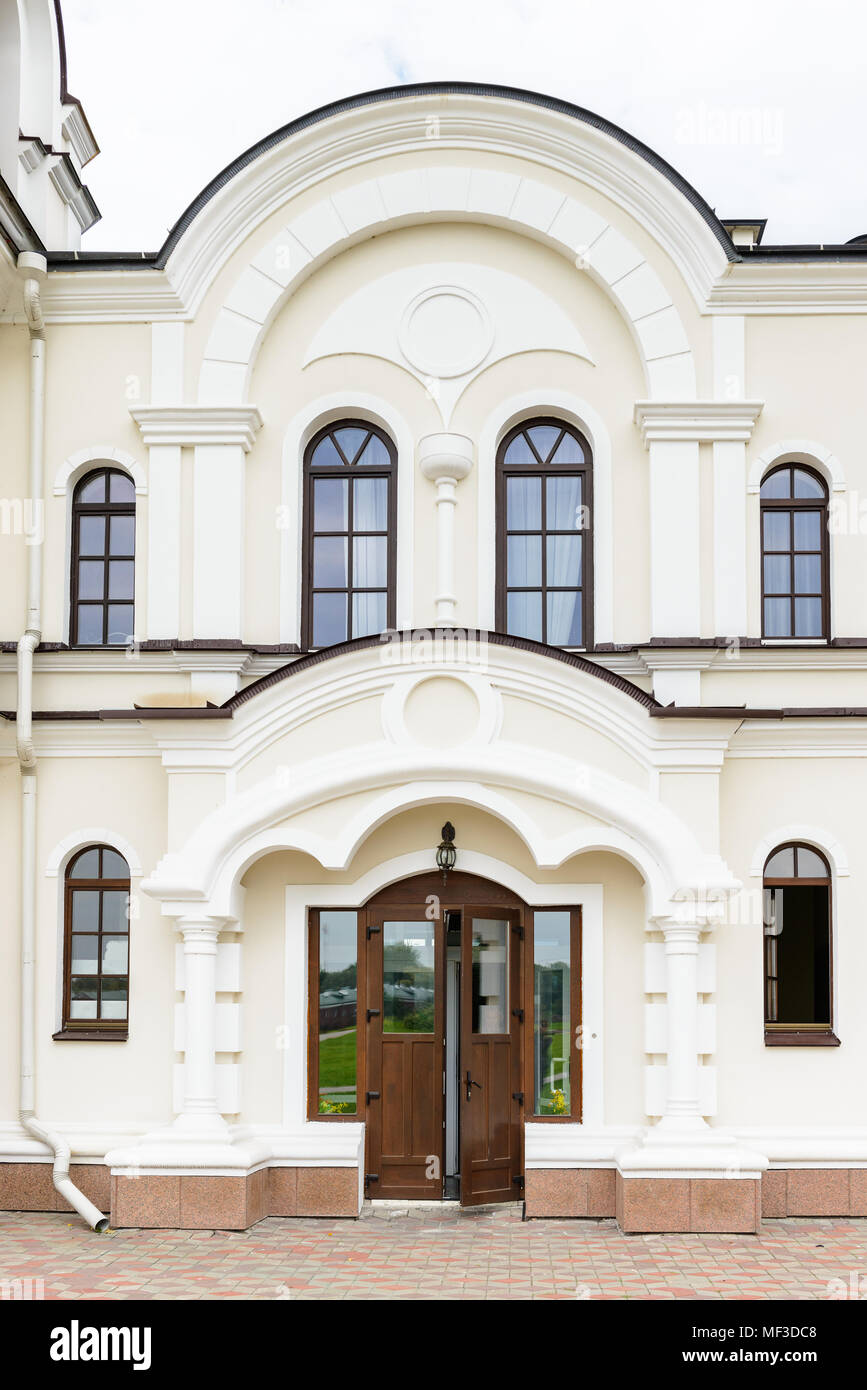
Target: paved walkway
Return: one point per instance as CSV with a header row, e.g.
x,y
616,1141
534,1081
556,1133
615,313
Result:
x,y
430,1253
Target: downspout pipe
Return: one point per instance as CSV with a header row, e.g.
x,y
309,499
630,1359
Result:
x,y
33,269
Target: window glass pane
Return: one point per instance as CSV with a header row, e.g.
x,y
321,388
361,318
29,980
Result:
x,y
113,999
370,504
93,490
564,618
524,560
91,535
519,452
778,574
801,944
808,574
83,992
778,484
86,865
568,450
408,977
375,454
326,455
120,624
524,504
121,488
115,911
370,562
329,619
121,534
776,530
563,555
490,991
115,955
544,438
338,1012
781,864
89,623
114,865
808,530
368,614
778,617
84,954
563,502
810,864
350,441
330,504
524,615
806,485
551,1012
330,562
85,910
808,617
91,579
121,579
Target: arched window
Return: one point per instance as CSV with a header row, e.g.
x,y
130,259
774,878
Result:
x,y
349,547
797,930
96,943
103,560
794,507
544,534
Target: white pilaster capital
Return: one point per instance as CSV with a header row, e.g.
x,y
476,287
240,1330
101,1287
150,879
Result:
x,y
189,425
696,421
443,457
200,934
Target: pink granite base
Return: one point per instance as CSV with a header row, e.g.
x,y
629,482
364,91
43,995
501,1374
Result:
x,y
195,1203
29,1186
688,1204
587,1192
814,1192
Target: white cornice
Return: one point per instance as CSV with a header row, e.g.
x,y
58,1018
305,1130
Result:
x,y
791,287
198,424
700,421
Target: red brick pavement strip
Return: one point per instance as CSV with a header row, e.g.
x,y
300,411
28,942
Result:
x,y
431,1253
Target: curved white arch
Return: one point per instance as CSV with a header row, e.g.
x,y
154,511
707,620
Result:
x,y
487,194
812,835
79,463
798,451
587,418
63,851
300,430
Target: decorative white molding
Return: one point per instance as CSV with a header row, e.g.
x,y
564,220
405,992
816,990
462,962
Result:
x,y
188,425
698,421
797,451
63,851
445,459
821,839
801,287
83,460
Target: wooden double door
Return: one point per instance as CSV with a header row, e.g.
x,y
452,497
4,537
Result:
x,y
444,1022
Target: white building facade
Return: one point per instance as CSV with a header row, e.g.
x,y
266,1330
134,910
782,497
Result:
x,y
433,669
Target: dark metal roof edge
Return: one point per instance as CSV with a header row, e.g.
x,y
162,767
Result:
x,y
745,712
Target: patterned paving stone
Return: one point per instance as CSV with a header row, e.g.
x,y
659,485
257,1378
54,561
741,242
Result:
x,y
432,1253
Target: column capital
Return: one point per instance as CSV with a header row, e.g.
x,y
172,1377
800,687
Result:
x,y
696,421
189,425
445,456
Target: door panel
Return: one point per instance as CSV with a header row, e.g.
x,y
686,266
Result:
x,y
490,1055
405,1047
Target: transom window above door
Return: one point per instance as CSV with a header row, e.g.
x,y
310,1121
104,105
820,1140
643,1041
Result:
x,y
349,533
544,534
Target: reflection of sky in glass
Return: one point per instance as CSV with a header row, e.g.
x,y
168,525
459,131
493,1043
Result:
x,y
551,937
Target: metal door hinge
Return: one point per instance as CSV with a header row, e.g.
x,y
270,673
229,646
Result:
x,y
372,1095
373,1013
518,1014
519,1181
518,1096
369,1178
516,926
371,930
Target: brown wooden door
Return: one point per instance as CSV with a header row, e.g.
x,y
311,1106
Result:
x,y
404,1109
491,1013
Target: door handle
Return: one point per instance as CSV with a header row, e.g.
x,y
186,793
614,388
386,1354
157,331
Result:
x,y
470,1084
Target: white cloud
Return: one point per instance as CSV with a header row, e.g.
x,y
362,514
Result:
x,y
762,107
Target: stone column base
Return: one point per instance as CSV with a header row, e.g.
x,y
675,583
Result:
x,y
688,1204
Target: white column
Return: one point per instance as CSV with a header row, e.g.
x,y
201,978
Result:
x,y
682,1101
445,459
200,1113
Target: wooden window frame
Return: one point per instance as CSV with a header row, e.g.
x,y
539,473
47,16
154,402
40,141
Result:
x,y
792,505
107,510
311,473
802,1034
90,1029
576,1025
541,470
313,1111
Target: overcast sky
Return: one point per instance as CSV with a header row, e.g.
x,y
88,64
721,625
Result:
x,y
762,106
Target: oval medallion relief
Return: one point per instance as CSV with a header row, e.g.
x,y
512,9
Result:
x,y
446,331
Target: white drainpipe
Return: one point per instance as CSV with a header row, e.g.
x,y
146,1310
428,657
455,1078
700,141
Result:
x,y
33,268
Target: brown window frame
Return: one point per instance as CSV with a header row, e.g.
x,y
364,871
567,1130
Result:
x,y
90,1029
801,1034
311,473
545,470
107,510
358,1116
792,505
576,1028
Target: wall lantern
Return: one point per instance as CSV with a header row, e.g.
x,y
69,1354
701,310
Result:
x,y
446,852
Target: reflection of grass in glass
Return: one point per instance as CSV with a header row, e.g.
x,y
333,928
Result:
x,y
419,1020
337,1060
553,1093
